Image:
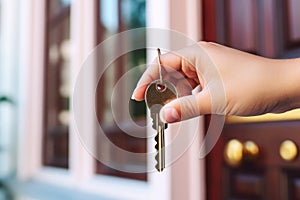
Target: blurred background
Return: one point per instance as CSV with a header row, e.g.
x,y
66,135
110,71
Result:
x,y
43,43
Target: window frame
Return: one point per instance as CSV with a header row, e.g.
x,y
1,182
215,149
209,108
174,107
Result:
x,y
81,173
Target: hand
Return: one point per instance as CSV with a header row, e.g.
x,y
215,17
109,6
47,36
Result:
x,y
233,82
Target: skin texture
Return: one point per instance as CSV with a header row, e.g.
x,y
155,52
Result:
x,y
233,82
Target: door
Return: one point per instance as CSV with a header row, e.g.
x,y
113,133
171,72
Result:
x,y
255,159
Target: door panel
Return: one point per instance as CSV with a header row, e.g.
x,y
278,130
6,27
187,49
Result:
x,y
266,27
245,183
291,24
269,28
292,183
268,176
242,24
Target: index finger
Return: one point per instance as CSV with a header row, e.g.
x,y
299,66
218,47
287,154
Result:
x,y
169,60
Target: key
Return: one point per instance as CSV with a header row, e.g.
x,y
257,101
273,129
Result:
x,y
159,93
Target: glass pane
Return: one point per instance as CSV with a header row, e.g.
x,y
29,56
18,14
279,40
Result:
x,y
116,16
134,16
109,15
57,88
133,13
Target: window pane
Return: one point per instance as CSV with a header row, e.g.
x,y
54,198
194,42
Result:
x,y
57,89
116,16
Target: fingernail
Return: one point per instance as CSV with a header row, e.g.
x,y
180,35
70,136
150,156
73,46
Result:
x,y
169,115
133,97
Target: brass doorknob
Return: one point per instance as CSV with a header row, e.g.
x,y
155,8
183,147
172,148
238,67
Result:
x,y
236,151
288,150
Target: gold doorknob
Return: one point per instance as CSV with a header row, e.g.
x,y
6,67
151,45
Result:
x,y
236,151
288,150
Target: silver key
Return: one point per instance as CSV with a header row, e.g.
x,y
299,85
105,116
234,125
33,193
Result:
x,y
159,93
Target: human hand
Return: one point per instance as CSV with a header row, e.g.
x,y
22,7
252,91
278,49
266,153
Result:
x,y
233,82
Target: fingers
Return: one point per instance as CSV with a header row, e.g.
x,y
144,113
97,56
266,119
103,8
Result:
x,y
149,75
186,107
171,62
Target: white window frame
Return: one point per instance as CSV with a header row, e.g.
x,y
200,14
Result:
x,y
80,175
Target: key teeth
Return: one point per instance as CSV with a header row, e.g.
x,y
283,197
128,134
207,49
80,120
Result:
x,y
156,156
153,124
156,140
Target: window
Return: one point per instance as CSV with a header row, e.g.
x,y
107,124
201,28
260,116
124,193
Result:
x,y
82,173
113,17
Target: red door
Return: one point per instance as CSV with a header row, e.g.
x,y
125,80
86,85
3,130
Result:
x,y
255,160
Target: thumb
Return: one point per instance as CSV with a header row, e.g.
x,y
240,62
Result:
x,y
186,107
